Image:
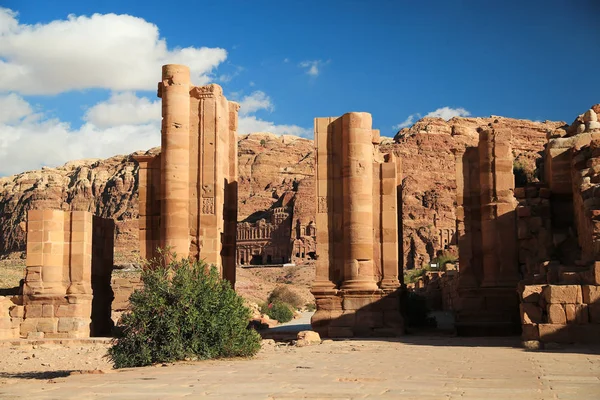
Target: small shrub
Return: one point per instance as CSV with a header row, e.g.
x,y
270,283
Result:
x,y
310,307
278,310
444,259
413,275
184,310
285,294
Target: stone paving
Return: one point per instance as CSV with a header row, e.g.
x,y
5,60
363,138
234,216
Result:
x,y
410,367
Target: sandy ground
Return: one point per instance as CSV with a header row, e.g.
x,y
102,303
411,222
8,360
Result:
x,y
47,361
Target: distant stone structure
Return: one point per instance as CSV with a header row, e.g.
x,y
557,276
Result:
x,y
265,243
357,231
278,237
188,192
66,290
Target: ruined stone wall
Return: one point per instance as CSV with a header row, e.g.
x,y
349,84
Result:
x,y
188,193
534,228
69,261
562,313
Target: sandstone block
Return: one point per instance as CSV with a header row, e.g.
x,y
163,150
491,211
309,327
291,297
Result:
x,y
590,294
594,313
571,312
530,332
338,331
556,314
17,311
532,293
308,338
531,313
563,294
554,333
6,323
33,311
582,314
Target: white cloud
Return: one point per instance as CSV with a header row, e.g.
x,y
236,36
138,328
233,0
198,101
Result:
x,y
448,113
35,141
124,109
312,67
444,112
116,52
407,122
286,60
258,100
250,124
13,108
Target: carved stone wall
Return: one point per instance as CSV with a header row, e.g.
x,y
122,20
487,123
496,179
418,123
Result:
x,y
188,192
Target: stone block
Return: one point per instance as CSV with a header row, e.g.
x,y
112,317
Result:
x,y
590,294
6,323
326,303
530,313
530,332
563,294
523,211
594,313
48,310
582,314
532,293
341,332
47,325
17,311
346,318
358,302
370,319
571,312
33,311
556,314
554,333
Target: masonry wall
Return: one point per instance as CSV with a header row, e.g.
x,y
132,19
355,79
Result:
x,y
69,261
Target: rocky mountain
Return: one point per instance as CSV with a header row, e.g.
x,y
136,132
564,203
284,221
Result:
x,y
270,166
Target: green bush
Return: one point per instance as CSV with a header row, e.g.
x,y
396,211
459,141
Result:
x,y
184,310
311,307
413,275
278,310
285,294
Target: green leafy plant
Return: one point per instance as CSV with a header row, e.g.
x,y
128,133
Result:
x,y
413,275
278,310
184,310
285,294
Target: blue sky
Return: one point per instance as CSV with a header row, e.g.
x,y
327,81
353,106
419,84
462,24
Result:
x,y
76,87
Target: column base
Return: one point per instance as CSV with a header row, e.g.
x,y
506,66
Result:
x,y
359,285
359,313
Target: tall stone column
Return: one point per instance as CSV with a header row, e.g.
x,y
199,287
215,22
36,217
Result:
x,y
357,181
465,173
322,283
389,224
175,158
498,205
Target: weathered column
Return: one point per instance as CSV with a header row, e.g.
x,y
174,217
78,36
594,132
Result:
x,y
175,158
498,225
389,224
357,181
323,283
465,172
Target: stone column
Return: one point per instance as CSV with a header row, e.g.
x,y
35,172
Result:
x,y
389,224
322,283
175,158
357,181
498,225
465,172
